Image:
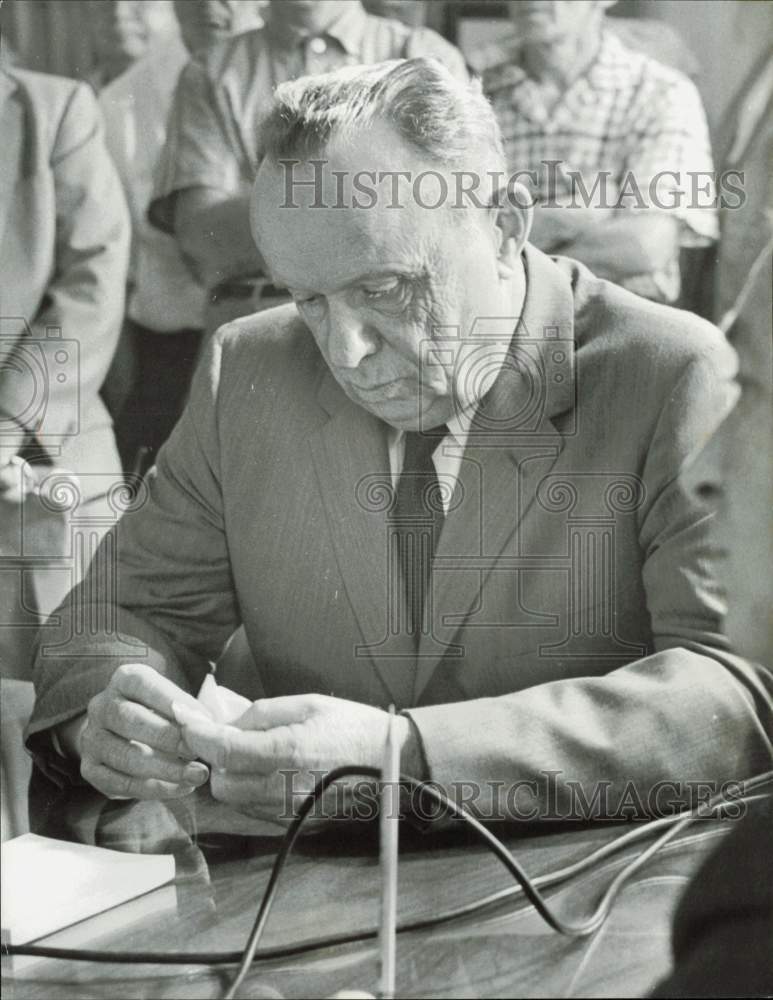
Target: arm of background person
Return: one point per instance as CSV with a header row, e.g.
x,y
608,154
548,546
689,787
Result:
x,y
614,244
690,712
629,244
177,604
666,193
201,185
85,296
214,232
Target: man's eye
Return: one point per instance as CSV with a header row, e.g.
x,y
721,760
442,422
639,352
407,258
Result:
x,y
393,295
382,291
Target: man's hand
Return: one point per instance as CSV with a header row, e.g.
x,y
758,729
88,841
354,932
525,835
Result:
x,y
556,227
131,746
213,233
304,736
17,479
16,476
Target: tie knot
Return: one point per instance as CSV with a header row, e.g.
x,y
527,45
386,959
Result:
x,y
419,447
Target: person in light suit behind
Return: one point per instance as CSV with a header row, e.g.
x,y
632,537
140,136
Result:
x,y
446,477
64,245
64,234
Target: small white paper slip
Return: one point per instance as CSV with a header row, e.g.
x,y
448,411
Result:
x,y
222,704
152,909
49,884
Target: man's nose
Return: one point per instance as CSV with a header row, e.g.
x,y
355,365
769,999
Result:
x,y
350,338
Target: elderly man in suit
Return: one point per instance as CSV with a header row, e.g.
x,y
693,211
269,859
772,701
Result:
x,y
445,478
64,242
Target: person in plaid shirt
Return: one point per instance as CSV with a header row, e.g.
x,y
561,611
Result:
x,y
612,145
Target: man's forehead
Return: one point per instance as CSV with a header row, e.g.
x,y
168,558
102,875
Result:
x,y
318,232
331,252
378,152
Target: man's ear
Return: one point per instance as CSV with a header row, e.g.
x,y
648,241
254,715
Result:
x,y
513,211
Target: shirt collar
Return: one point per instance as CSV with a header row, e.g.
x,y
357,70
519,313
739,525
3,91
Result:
x,y
347,30
458,427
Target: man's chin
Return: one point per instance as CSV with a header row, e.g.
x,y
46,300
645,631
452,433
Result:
x,y
399,413
404,415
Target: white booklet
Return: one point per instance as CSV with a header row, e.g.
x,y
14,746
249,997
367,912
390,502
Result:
x,y
50,884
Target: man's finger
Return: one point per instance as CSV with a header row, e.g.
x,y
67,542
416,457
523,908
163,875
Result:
x,y
268,713
116,785
270,795
141,761
231,749
133,721
278,796
141,683
16,480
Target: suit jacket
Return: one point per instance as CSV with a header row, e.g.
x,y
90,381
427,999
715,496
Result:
x,y
576,620
64,242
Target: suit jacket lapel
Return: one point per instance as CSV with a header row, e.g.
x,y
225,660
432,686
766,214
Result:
x,y
512,445
352,466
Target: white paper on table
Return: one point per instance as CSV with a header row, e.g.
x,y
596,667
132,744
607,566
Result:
x,y
49,884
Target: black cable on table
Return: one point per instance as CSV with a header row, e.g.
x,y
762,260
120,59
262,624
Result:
x,y
582,928
529,886
545,881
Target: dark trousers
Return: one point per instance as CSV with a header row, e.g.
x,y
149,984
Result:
x,y
157,369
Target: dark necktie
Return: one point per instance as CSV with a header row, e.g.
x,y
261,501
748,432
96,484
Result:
x,y
417,520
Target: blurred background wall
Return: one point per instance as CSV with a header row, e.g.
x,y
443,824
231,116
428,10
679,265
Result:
x,y
726,36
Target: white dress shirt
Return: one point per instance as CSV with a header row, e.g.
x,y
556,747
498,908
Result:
x,y
447,457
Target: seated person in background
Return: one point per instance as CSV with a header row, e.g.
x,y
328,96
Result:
x,y
123,31
204,23
446,478
165,312
575,106
212,149
64,242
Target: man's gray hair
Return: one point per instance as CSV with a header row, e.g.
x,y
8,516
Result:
x,y
450,122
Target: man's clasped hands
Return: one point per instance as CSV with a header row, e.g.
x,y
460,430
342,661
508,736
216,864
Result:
x,y
144,737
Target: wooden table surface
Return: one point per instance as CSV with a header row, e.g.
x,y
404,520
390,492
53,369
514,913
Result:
x,y
331,885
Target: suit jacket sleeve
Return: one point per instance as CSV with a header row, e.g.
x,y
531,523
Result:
x,y
84,298
652,734
173,606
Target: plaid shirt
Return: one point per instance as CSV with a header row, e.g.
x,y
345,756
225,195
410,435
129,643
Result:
x,y
627,115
